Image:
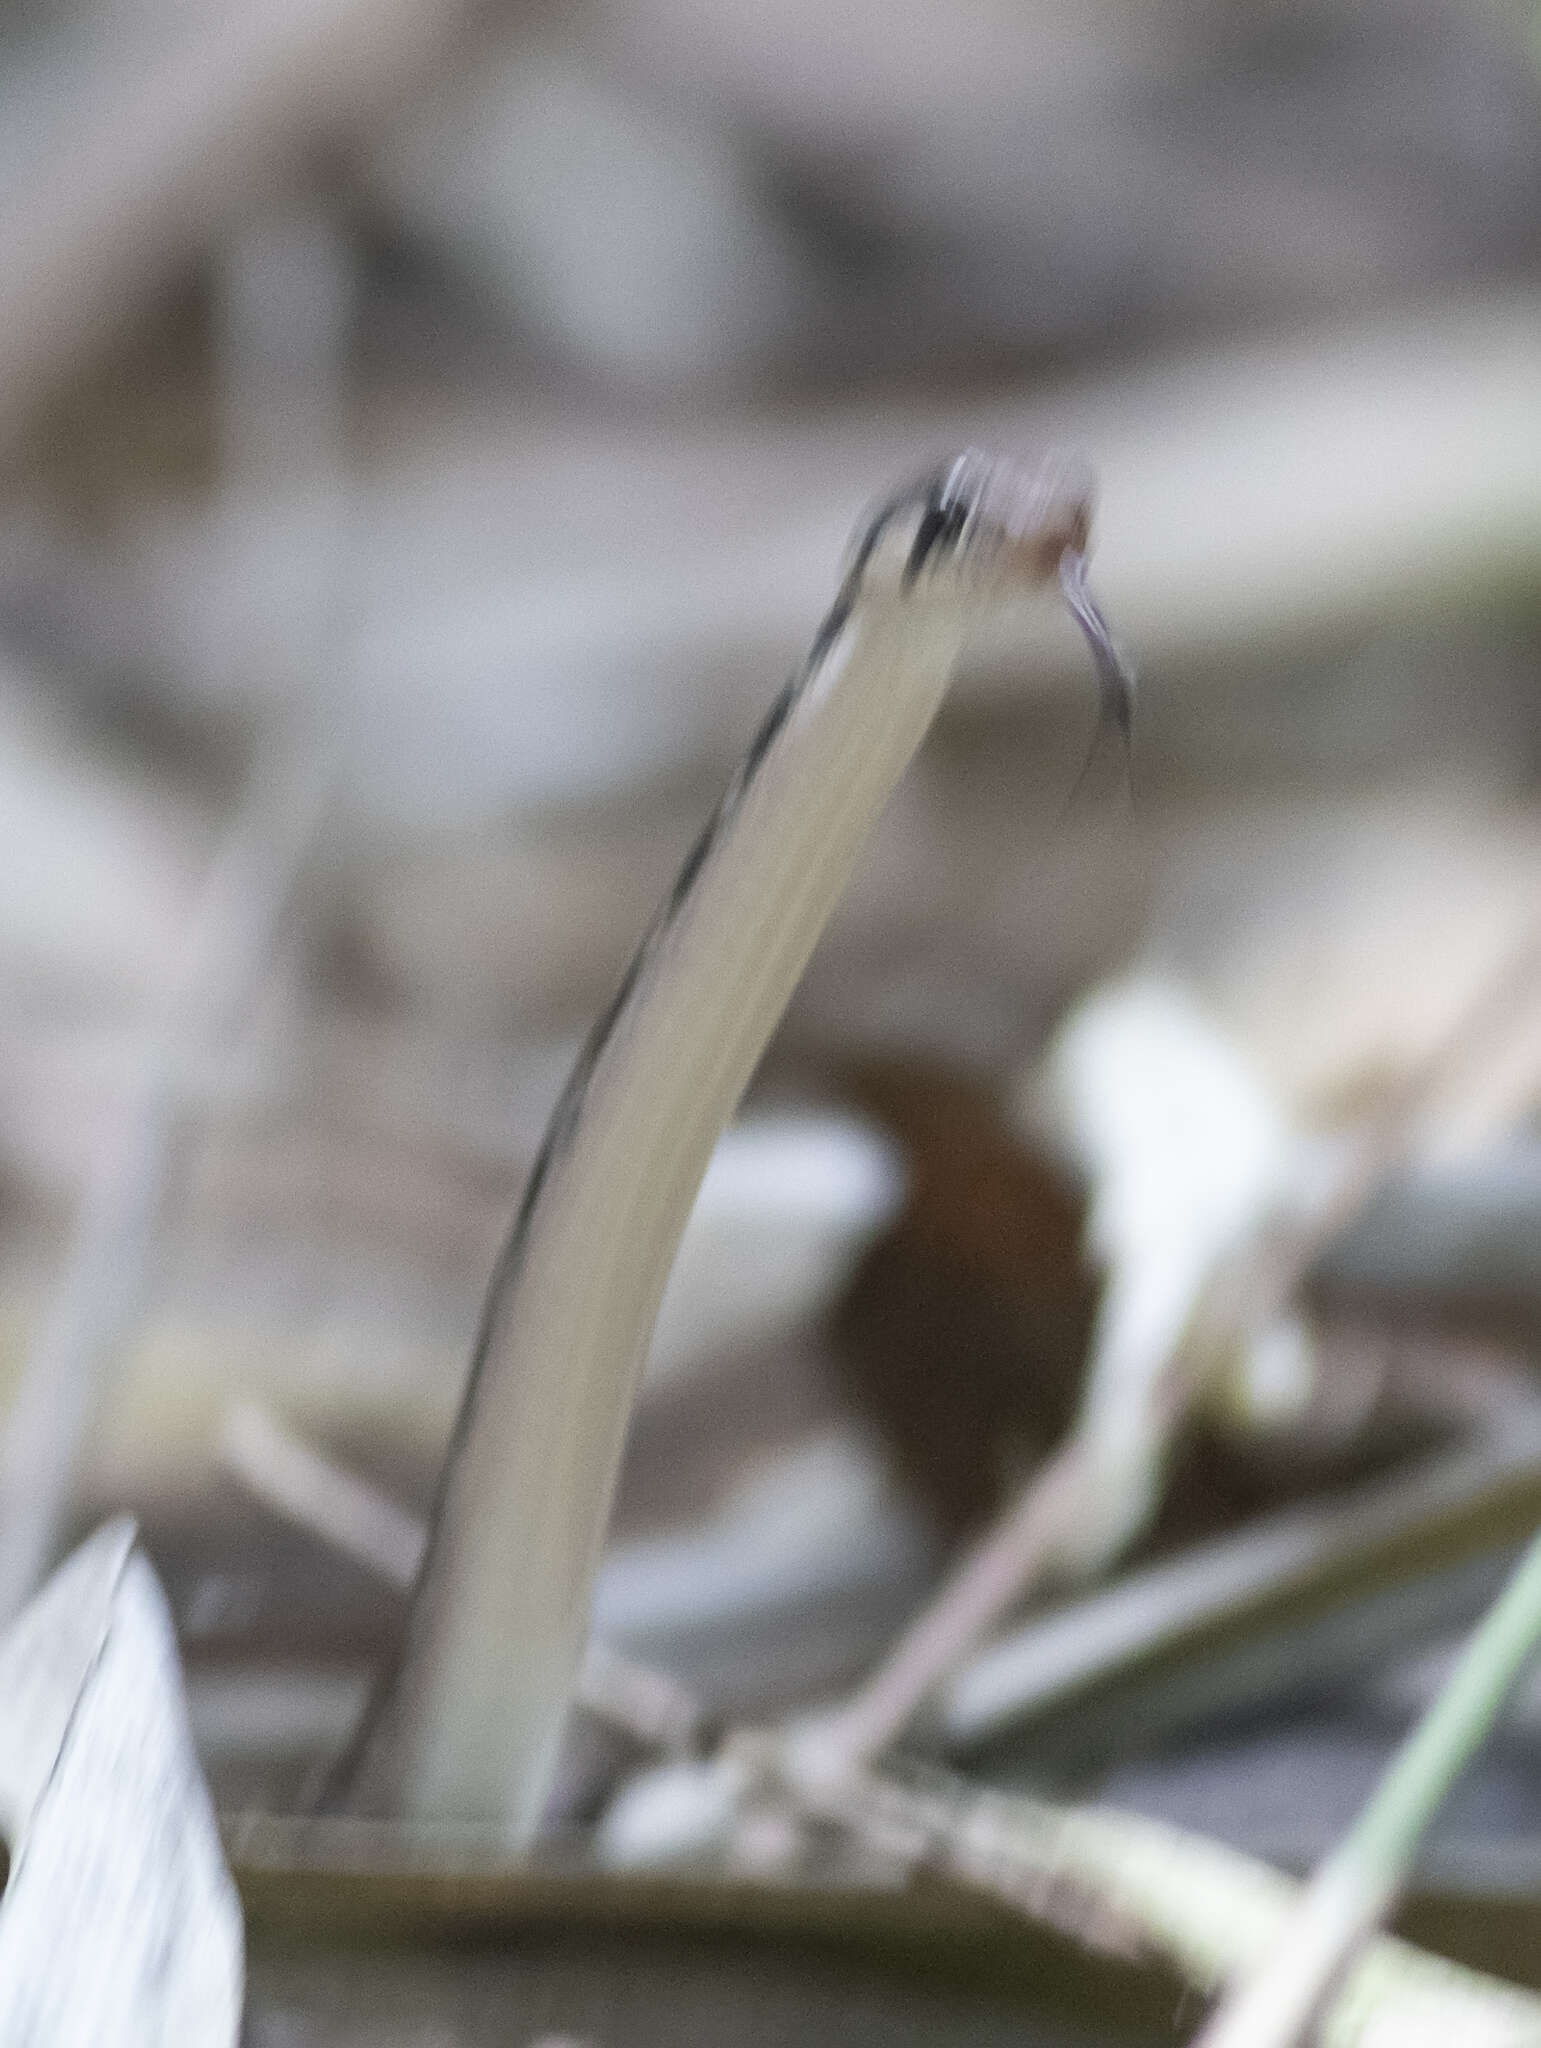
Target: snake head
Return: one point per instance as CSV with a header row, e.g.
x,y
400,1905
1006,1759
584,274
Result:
x,y
979,522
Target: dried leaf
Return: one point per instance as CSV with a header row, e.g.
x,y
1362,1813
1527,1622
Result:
x,y
119,1923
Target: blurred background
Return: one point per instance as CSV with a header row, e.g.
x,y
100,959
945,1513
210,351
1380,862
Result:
x,y
428,435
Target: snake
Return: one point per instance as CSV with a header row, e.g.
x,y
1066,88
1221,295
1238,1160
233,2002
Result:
x,y
465,1723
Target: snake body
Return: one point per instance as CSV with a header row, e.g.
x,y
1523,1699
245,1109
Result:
x,y
465,1727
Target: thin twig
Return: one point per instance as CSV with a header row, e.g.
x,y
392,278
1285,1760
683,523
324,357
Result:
x,y
1352,1892
1262,1280
295,1480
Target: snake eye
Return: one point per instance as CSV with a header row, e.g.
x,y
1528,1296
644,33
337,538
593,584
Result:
x,y
939,532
